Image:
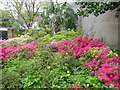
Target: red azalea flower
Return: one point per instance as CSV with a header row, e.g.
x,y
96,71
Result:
x,y
76,87
86,87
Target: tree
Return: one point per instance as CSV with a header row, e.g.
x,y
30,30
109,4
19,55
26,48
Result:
x,y
5,19
23,11
96,8
58,16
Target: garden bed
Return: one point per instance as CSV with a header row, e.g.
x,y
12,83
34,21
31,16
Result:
x,y
62,61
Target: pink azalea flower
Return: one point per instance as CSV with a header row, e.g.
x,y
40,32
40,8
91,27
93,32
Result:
x,y
3,41
53,44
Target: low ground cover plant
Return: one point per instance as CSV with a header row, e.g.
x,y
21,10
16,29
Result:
x,y
62,61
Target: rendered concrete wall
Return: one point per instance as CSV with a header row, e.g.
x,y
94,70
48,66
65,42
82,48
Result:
x,y
105,27
119,31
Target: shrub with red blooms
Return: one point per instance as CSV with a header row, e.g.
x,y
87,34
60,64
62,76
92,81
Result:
x,y
79,45
103,62
26,49
76,87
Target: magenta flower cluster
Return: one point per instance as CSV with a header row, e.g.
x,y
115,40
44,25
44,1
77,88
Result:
x,y
79,45
3,41
108,69
27,50
53,44
103,62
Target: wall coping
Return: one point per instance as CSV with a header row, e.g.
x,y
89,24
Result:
x,y
3,29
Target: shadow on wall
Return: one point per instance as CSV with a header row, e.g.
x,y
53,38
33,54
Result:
x,y
105,27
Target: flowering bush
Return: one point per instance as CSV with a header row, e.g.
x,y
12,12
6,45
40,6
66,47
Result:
x,y
53,44
3,41
84,60
26,49
102,61
79,45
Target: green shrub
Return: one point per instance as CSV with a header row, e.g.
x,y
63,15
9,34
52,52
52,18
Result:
x,y
19,32
35,34
20,40
60,36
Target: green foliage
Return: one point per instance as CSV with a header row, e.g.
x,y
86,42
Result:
x,y
21,39
69,34
19,32
96,8
5,19
58,16
38,72
47,69
116,51
11,79
61,36
23,12
15,25
35,34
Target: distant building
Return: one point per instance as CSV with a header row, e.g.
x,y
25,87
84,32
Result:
x,y
3,33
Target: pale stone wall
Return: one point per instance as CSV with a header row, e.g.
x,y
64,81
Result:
x,y
105,27
119,31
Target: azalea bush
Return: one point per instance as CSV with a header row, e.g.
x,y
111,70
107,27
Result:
x,y
25,50
97,57
62,61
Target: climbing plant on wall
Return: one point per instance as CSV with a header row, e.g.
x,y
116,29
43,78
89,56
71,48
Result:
x,y
96,8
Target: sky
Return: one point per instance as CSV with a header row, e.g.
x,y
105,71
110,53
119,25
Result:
x,y
2,7
2,1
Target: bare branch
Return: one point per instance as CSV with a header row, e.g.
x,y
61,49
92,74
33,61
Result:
x,y
24,11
